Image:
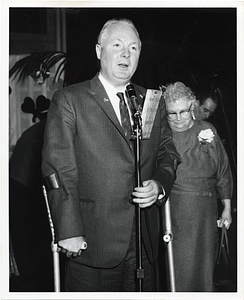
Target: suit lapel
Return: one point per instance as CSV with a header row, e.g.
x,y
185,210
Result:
x,y
102,99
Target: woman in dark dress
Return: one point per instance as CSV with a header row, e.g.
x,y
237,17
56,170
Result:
x,y
203,177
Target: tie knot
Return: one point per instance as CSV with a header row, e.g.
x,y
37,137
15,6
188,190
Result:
x,y
121,96
124,114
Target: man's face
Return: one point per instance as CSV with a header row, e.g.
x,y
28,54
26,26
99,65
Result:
x,y
119,54
204,111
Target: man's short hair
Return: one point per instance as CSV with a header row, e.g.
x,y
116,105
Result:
x,y
202,96
111,22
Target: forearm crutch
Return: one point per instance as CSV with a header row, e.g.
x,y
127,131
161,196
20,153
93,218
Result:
x,y
168,238
54,247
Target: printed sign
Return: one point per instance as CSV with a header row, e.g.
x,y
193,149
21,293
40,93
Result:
x,y
149,111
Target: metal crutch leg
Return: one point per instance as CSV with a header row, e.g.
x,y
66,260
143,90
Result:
x,y
168,238
56,264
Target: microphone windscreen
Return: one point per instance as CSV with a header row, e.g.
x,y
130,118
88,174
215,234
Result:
x,y
131,91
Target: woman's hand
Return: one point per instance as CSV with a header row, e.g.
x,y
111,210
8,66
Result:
x,y
226,218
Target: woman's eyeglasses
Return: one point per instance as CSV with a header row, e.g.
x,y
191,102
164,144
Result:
x,y
182,113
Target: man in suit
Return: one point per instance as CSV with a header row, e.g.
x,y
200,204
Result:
x,y
87,149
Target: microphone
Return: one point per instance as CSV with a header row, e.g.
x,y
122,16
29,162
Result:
x,y
131,93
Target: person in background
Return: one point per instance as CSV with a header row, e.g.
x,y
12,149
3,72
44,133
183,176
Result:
x,y
205,104
28,218
92,157
203,176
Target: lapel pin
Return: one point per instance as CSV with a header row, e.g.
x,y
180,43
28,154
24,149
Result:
x,y
105,99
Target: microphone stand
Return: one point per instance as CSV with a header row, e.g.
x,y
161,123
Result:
x,y
137,136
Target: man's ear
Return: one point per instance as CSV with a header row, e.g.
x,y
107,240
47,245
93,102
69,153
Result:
x,y
196,103
98,50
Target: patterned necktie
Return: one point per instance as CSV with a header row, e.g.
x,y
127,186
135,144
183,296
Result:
x,y
125,117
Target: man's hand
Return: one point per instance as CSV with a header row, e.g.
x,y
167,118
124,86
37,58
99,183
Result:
x,y
146,195
72,246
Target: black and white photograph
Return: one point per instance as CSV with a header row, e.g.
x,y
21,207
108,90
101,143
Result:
x,y
122,133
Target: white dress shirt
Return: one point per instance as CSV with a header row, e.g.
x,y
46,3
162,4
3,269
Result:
x,y
114,99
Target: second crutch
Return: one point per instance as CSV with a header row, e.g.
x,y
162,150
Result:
x,y
168,239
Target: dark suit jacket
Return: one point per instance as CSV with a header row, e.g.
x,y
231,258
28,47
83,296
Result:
x,y
85,146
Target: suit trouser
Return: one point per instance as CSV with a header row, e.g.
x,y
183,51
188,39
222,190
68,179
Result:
x,y
122,278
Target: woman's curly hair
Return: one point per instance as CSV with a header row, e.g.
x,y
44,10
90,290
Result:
x,y
176,91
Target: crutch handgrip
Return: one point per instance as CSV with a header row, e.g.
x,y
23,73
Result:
x,y
54,247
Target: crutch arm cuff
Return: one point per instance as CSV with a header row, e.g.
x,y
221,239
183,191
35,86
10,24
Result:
x,y
51,182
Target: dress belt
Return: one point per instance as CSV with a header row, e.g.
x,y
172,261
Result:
x,y
200,187
196,193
